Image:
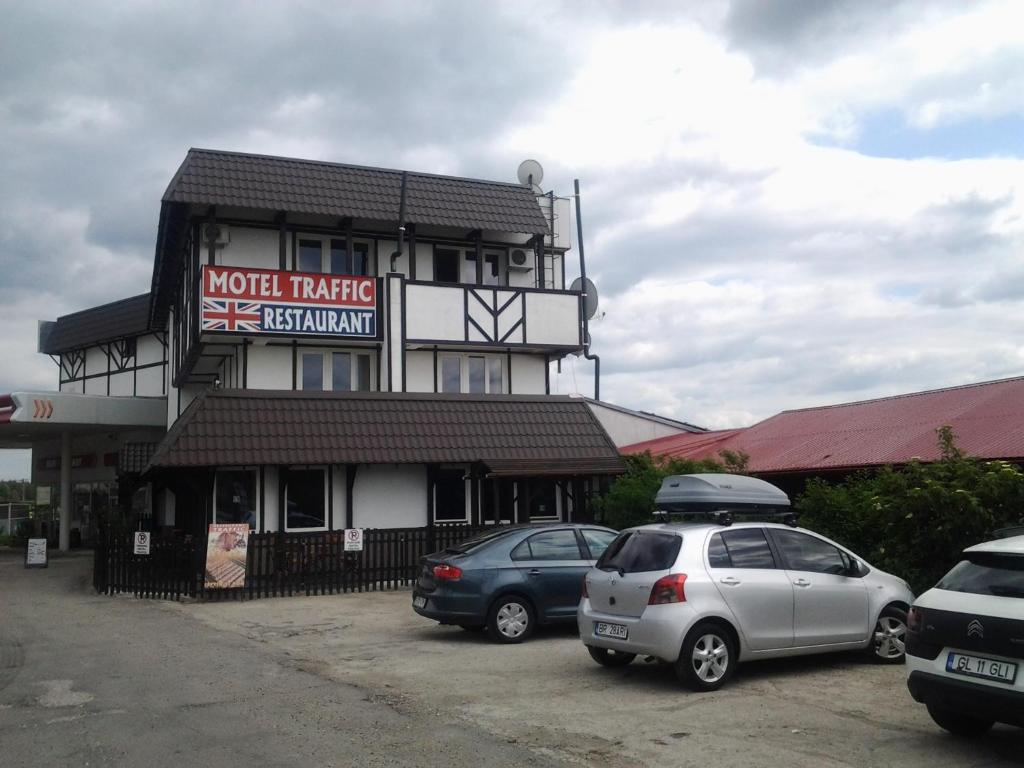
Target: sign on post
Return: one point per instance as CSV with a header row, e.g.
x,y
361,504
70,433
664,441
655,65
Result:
x,y
353,539
142,542
36,555
43,495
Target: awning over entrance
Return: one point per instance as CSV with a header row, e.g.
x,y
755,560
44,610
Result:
x,y
510,434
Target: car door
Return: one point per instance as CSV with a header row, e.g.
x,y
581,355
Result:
x,y
830,606
552,565
758,592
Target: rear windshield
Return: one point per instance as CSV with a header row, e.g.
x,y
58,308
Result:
x,y
987,574
641,551
478,541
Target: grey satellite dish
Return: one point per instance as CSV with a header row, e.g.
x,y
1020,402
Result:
x,y
530,173
590,299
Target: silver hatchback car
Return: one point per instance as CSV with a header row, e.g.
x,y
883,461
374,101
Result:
x,y
706,596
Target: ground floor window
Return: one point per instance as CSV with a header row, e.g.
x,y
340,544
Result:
x,y
497,500
450,496
235,496
542,503
472,374
305,499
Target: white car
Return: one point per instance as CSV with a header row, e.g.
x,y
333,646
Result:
x,y
705,596
965,641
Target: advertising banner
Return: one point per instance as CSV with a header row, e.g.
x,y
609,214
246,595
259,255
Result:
x,y
227,545
267,301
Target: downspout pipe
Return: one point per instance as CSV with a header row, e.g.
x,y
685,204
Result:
x,y
401,226
583,279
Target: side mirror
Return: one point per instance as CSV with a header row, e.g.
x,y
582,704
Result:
x,y
855,569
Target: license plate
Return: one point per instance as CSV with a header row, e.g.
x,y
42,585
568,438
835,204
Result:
x,y
419,601
977,666
617,631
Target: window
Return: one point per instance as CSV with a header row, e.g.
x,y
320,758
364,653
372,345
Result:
x,y
450,495
543,503
743,548
550,545
340,372
718,555
446,265
809,553
235,496
497,500
597,541
313,371
641,552
330,255
473,374
987,573
305,497
492,270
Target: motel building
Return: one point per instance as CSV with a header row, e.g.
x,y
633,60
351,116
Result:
x,y
324,347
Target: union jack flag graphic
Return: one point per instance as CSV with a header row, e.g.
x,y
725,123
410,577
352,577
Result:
x,y
229,315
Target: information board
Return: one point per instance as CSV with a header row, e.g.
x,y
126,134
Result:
x,y
353,539
142,542
36,555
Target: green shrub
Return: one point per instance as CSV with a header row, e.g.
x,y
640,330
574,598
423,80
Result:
x,y
914,521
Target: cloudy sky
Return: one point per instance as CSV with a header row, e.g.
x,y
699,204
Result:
x,y
785,203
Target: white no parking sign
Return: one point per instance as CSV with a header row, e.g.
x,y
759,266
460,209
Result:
x,y
353,539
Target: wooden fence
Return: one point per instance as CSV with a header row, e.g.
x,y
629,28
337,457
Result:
x,y
277,564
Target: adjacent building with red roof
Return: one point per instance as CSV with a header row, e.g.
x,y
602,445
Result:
x,y
987,419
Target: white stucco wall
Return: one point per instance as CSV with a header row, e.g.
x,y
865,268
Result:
x,y
528,375
626,429
269,367
390,496
419,371
250,247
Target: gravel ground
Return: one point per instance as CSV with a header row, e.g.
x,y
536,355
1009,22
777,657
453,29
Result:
x,y
548,695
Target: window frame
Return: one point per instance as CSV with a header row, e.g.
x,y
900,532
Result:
x,y
358,244
327,371
466,496
257,506
324,470
463,359
533,558
845,558
722,534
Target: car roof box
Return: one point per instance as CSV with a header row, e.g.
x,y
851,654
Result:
x,y
693,493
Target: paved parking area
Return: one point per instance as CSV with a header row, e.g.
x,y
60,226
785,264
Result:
x,y
549,696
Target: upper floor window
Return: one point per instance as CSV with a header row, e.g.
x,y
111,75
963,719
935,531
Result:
x,y
337,371
472,374
458,265
330,255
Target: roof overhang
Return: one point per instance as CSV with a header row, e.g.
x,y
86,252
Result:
x,y
27,417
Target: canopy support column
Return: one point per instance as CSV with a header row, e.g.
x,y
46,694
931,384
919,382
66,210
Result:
x,y
65,491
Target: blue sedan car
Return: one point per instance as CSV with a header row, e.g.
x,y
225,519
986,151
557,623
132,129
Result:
x,y
510,579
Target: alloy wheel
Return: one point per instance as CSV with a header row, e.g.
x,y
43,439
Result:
x,y
890,638
710,658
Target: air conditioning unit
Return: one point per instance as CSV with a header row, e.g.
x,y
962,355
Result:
x,y
517,261
218,234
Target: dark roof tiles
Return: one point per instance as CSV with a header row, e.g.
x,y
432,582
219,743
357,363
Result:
x,y
209,177
119,319
538,434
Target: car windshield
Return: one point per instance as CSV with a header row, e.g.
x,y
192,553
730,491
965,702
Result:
x,y
641,551
463,547
987,574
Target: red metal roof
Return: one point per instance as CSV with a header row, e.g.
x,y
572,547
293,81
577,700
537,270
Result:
x,y
987,419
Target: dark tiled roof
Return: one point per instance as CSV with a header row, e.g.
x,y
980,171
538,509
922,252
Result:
x,y
209,177
527,433
117,320
987,419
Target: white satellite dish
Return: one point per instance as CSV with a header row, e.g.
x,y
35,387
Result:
x,y
590,298
530,173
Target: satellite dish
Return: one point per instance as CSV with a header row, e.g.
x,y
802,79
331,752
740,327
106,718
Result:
x,y
590,295
530,173
537,189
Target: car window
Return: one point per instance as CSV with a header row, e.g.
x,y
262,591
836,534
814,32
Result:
x,y
597,541
748,548
549,545
718,555
641,551
987,574
468,545
809,553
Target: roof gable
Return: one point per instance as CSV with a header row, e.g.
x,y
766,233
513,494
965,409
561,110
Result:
x,y
117,320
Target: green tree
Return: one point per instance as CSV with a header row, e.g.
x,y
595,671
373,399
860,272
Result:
x,y
915,520
630,499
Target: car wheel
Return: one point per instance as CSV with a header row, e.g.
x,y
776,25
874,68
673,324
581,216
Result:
x,y
708,658
511,619
888,644
959,724
609,658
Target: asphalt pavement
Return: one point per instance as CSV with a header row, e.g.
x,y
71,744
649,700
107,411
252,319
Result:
x,y
90,680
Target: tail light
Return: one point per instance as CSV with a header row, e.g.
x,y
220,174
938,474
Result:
x,y
914,617
447,572
668,589
585,587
